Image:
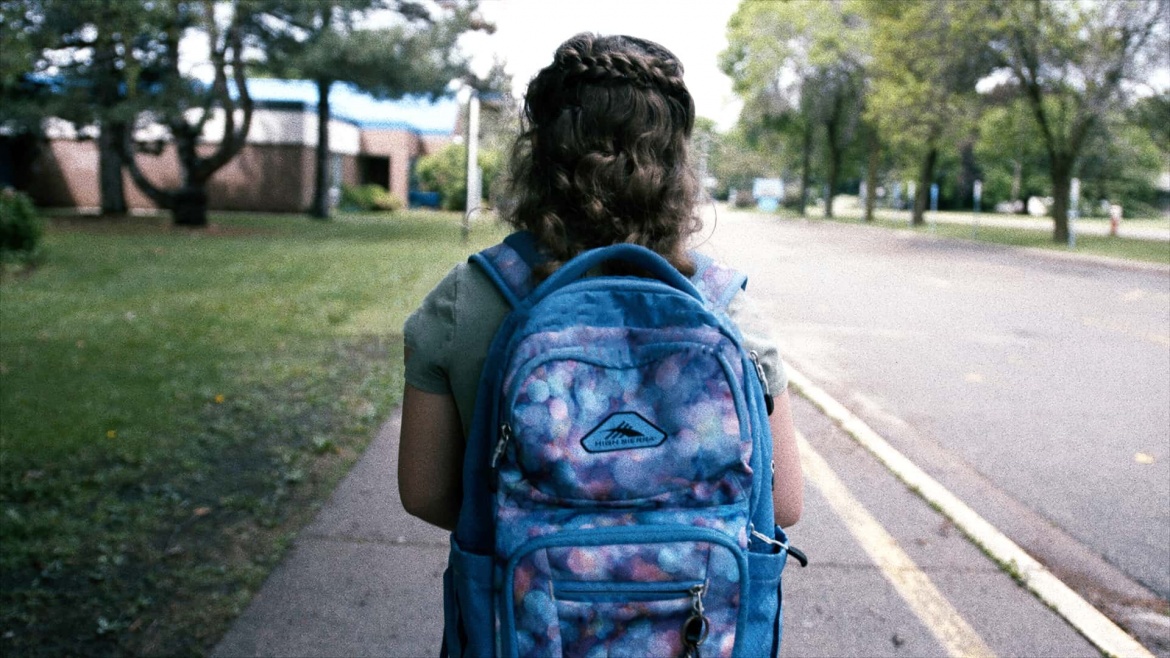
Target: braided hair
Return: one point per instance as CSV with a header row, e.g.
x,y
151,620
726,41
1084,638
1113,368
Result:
x,y
602,158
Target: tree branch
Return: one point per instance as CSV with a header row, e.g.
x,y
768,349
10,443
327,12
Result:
x,y
125,146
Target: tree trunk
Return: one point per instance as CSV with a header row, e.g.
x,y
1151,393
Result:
x,y
190,206
1017,176
113,193
805,167
834,167
922,197
1061,186
968,172
871,174
320,208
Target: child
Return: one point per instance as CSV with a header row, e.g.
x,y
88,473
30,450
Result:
x,y
602,160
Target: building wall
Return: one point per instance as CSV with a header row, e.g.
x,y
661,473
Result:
x,y
274,172
435,143
262,177
400,146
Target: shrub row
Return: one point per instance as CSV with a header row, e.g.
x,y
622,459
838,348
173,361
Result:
x,y
370,197
20,226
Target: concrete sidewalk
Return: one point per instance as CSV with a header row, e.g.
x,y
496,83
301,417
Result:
x,y
361,580
364,579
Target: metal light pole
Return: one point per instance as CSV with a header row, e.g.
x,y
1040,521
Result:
x,y
933,205
473,178
978,190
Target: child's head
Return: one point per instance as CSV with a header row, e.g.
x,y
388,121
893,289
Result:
x,y
603,155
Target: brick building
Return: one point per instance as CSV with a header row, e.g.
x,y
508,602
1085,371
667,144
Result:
x,y
370,141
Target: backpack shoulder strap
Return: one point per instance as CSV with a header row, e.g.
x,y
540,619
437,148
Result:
x,y
716,281
509,265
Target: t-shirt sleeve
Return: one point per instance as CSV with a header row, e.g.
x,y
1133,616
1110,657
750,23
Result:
x,y
428,334
758,337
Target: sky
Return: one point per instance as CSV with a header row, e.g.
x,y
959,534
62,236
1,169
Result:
x,y
529,31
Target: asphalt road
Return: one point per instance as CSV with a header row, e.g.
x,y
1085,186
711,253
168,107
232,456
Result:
x,y
1036,388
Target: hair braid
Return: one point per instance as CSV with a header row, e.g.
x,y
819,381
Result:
x,y
603,157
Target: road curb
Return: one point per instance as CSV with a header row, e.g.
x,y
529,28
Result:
x,y
1053,254
1065,256
1107,636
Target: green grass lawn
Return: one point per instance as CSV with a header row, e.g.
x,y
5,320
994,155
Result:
x,y
1155,251
175,404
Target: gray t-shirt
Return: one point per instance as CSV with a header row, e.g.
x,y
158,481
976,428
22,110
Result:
x,y
449,335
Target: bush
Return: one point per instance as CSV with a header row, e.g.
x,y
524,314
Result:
x,y
20,226
445,172
370,197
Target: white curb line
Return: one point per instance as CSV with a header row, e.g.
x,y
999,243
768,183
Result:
x,y
1096,627
908,580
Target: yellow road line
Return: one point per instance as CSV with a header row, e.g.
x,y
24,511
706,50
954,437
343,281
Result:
x,y
1079,613
911,583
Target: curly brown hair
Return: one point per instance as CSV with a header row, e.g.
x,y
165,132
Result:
x,y
603,156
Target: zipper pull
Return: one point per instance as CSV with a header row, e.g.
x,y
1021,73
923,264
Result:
x,y
769,403
501,443
696,627
498,452
787,548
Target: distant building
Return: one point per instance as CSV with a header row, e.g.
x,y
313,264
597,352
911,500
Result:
x,y
370,141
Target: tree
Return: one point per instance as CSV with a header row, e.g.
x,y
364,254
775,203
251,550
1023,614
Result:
x,y
1010,152
72,47
22,97
445,172
1072,61
737,158
181,105
1120,165
1152,114
928,56
324,42
801,62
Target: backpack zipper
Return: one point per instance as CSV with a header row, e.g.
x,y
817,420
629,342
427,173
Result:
x,y
501,444
697,626
769,403
497,453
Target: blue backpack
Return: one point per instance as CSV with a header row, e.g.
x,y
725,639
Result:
x,y
617,483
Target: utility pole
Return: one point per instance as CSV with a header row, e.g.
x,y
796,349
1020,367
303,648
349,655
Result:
x,y
473,178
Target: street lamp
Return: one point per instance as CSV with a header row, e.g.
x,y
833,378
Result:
x,y
471,140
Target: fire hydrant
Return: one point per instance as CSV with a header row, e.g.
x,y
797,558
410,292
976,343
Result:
x,y
1114,219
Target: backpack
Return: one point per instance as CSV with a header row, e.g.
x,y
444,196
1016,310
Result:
x,y
617,483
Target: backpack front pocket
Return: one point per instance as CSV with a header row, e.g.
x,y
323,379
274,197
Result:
x,y
622,592
625,619
661,424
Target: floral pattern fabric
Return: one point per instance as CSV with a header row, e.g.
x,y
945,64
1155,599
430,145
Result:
x,y
609,552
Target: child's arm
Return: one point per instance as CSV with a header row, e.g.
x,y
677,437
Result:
x,y
788,484
430,457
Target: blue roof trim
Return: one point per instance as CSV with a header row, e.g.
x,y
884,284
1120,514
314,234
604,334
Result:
x,y
416,113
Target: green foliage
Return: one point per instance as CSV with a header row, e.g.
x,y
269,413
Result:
x,y
1011,154
445,172
369,197
325,42
1120,165
801,65
928,55
735,161
1071,61
20,226
176,405
1152,114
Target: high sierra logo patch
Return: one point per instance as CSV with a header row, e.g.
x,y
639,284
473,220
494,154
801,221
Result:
x,y
625,430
